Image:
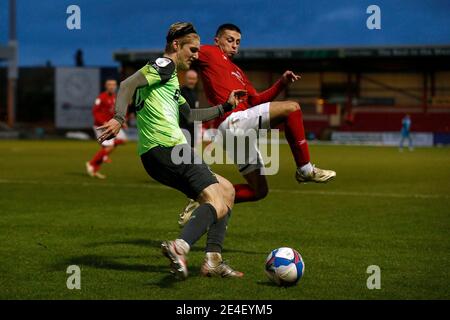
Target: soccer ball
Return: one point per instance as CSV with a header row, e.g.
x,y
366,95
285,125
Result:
x,y
285,266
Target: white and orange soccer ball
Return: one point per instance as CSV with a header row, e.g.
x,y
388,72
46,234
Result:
x,y
285,266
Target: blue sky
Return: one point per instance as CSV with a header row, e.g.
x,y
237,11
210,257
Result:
x,y
107,26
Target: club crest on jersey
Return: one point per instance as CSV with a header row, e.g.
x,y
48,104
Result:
x,y
162,62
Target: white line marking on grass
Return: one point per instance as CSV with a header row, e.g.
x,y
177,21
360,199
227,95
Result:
x,y
365,194
304,192
85,184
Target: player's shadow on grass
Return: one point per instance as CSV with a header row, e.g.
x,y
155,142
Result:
x,y
169,280
83,174
111,263
149,243
78,174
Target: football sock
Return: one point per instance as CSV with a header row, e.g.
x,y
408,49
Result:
x,y
243,193
118,142
202,219
216,234
98,158
295,135
307,169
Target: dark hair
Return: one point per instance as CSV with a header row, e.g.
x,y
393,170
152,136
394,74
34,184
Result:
x,y
227,26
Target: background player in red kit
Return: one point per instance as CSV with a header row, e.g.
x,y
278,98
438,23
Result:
x,y
256,111
103,111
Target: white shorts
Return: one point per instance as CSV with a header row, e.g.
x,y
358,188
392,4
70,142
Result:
x,y
242,124
109,143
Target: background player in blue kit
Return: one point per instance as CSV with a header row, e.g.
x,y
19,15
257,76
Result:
x,y
406,132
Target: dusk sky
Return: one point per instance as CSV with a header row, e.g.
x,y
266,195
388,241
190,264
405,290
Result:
x,y
107,26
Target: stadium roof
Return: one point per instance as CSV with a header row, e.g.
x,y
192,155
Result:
x,y
350,58
307,53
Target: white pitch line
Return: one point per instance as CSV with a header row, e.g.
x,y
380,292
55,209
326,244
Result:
x,y
304,192
85,184
366,194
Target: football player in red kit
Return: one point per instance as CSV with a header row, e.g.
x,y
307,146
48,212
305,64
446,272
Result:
x,y
256,111
103,111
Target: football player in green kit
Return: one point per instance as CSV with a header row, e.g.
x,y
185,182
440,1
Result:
x,y
160,109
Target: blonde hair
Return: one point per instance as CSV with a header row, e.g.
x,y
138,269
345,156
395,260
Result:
x,y
182,31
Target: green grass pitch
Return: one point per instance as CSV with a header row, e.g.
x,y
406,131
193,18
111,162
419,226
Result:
x,y
385,208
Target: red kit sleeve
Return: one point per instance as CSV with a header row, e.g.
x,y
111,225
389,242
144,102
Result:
x,y
255,98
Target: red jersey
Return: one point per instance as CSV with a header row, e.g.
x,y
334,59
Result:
x,y
220,76
103,109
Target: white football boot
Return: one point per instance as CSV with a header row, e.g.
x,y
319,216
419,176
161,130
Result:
x,y
214,266
177,257
317,175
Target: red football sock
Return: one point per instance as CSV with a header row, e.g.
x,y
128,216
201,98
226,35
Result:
x,y
295,135
97,160
118,142
243,193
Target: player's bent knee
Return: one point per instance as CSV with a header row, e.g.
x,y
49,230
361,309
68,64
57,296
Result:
x,y
228,190
289,107
232,194
228,197
213,195
294,106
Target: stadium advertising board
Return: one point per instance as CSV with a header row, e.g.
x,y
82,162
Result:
x,y
75,93
423,139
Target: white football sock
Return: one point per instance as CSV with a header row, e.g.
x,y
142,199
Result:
x,y
306,169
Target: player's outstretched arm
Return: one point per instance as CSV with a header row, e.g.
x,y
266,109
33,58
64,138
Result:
x,y
124,96
205,114
270,94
